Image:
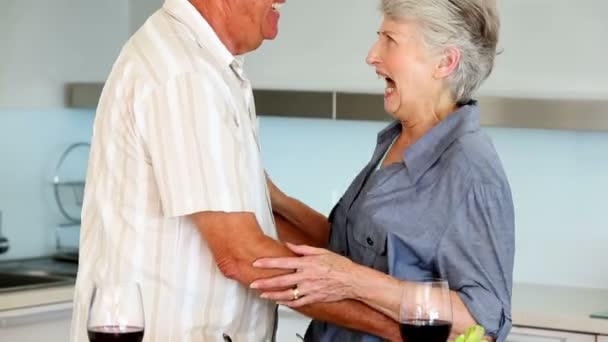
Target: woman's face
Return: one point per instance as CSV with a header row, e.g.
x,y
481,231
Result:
x,y
401,57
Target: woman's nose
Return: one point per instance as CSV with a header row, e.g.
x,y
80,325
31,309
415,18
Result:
x,y
372,56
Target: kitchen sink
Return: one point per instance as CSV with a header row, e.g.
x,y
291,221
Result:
x,y
17,281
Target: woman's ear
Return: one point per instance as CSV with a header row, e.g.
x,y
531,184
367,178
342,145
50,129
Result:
x,y
448,63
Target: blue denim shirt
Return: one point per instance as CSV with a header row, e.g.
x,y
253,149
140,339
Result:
x,y
446,211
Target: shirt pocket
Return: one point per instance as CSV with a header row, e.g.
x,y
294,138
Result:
x,y
368,245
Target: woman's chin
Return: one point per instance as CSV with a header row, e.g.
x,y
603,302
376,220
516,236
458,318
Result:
x,y
391,109
392,102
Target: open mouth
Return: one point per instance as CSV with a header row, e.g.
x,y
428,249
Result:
x,y
276,6
391,86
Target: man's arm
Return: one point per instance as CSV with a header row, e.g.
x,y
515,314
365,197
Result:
x,y
236,241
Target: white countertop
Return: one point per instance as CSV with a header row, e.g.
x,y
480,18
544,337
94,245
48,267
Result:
x,y
30,298
537,306
560,308
549,307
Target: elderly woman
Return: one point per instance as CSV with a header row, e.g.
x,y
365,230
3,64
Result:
x,y
433,201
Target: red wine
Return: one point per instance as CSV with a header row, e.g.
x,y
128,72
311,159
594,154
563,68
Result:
x,y
115,334
425,331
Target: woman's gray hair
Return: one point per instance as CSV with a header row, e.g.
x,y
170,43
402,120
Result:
x,y
471,26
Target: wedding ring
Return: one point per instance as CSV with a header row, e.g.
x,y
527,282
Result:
x,y
296,293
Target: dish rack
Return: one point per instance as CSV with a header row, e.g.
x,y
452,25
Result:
x,y
69,194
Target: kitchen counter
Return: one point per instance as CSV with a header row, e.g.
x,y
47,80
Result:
x,y
542,307
560,308
38,297
537,306
42,296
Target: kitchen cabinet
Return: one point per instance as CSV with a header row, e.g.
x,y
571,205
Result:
x,y
330,53
50,323
291,325
602,339
79,40
538,335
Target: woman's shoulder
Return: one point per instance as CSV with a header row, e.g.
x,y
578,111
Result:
x,y
474,157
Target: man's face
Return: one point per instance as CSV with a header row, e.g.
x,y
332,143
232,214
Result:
x,y
255,20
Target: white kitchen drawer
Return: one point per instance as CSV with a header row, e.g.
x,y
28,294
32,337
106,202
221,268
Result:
x,y
290,324
602,339
538,335
49,323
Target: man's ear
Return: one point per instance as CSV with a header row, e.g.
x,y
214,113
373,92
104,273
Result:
x,y
448,63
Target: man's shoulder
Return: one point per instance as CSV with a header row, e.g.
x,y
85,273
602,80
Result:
x,y
160,51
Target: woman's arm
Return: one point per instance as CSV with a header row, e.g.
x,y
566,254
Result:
x,y
323,276
289,233
383,293
236,240
297,222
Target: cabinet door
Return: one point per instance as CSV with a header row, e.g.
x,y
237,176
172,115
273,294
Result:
x,y
50,323
602,338
539,335
292,325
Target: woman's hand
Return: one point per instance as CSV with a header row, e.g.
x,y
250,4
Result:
x,y
320,276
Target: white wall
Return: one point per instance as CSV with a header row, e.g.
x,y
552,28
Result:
x,y
140,10
45,44
552,48
321,45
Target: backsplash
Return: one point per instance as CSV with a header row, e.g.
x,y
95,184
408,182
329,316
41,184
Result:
x,y
558,179
31,142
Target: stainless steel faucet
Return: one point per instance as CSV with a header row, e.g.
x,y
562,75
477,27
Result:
x,y
4,246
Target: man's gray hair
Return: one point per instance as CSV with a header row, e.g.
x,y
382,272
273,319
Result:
x,y
472,26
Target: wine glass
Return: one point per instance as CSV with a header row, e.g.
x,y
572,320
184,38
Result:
x,y
116,313
426,311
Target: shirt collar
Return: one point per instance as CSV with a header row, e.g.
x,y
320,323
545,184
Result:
x,y
185,13
237,66
426,151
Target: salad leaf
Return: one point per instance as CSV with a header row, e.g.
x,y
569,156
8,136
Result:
x,y
473,334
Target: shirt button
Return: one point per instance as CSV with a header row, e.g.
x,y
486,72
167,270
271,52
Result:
x,y
370,241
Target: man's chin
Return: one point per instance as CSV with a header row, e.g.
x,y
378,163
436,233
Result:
x,y
271,35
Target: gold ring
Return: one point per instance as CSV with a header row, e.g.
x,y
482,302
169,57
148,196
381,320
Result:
x,y
296,293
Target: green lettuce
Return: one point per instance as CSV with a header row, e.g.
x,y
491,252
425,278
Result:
x,y
473,334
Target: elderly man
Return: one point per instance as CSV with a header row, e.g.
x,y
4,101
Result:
x,y
176,195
